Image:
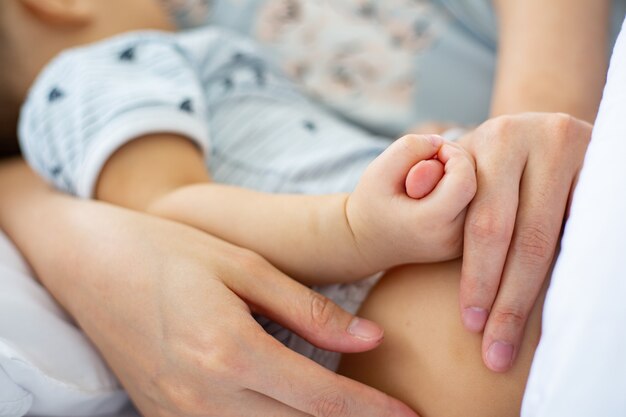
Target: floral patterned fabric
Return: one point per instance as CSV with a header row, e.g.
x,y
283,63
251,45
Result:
x,y
383,64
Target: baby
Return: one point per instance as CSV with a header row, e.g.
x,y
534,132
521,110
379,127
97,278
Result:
x,y
118,108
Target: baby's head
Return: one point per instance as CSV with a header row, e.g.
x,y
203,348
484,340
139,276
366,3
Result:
x,y
33,31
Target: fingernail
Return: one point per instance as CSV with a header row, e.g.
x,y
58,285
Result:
x,y
365,329
500,356
474,319
435,140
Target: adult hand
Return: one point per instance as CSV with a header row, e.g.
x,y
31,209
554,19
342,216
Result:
x,y
170,309
526,167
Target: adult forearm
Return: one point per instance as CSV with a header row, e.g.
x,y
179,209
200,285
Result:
x,y
38,221
148,292
65,240
552,56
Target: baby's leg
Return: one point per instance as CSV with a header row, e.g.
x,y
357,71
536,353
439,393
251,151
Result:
x,y
428,359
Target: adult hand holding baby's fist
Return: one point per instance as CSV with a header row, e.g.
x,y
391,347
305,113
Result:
x,y
170,308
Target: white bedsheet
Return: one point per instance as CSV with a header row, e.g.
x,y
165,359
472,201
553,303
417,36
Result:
x,y
47,365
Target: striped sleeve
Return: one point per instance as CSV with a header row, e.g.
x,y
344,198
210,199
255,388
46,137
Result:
x,y
91,101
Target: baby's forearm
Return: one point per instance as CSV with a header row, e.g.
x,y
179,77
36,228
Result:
x,y
307,237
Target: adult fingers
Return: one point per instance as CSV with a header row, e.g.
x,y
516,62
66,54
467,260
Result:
x,y
306,312
458,186
489,227
306,386
543,201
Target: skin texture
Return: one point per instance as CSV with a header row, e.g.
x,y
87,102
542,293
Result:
x,y
233,283
557,64
173,357
427,358
357,234
44,28
526,166
152,311
516,236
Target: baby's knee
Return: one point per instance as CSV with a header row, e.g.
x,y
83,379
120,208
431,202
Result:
x,y
428,359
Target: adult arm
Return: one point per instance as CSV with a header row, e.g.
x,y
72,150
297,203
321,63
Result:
x,y
526,167
165,306
552,56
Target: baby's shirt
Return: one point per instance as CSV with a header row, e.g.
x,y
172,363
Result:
x,y
90,101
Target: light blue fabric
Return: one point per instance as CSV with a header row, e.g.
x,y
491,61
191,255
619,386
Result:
x,y
447,66
256,128
452,73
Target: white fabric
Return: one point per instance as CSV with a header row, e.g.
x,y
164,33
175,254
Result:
x,y
579,368
47,366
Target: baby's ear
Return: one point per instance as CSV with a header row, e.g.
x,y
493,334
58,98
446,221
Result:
x,y
60,12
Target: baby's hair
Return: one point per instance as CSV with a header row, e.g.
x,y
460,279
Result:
x,y
4,45
9,110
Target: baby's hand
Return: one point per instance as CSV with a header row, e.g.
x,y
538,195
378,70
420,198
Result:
x,y
409,206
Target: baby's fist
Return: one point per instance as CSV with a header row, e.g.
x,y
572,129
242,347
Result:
x,y
410,204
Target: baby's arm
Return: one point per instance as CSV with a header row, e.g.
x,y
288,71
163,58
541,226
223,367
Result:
x,y
306,236
312,238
